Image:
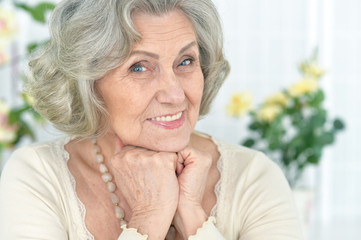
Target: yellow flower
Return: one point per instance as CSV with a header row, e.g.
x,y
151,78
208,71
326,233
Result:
x,y
29,99
313,70
278,98
306,85
8,26
4,108
7,132
240,104
268,113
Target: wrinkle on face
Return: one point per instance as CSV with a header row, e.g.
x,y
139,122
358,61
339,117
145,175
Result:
x,y
157,30
133,98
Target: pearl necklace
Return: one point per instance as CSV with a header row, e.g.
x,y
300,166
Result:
x,y
107,178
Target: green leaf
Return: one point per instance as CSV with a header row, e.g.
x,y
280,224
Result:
x,y
255,125
15,114
314,159
249,142
38,12
318,119
326,138
338,124
317,98
24,130
33,46
275,144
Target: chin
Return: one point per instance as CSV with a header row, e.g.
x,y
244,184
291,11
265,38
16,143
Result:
x,y
175,148
169,145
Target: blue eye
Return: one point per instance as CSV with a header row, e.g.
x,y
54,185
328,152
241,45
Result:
x,y
186,62
138,69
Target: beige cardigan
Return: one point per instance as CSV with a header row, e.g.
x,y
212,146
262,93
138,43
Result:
x,y
38,198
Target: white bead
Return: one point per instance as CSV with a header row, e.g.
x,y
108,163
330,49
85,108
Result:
x,y
123,222
96,149
111,187
100,158
94,140
107,177
114,198
119,213
103,168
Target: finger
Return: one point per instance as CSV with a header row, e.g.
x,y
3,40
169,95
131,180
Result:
x,y
180,165
180,158
175,161
187,156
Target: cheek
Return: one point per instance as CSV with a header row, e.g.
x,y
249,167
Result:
x,y
126,109
196,88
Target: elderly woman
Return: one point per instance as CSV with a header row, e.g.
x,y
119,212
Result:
x,y
127,80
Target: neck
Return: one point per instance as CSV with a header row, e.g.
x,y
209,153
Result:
x,y
107,144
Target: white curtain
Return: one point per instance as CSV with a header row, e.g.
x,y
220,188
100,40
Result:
x,y
264,41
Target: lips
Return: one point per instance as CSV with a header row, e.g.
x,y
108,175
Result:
x,y
169,121
168,118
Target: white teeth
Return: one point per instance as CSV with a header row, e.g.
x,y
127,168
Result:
x,y
168,118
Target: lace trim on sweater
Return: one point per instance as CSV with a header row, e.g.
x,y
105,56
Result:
x,y
204,226
134,232
60,148
217,187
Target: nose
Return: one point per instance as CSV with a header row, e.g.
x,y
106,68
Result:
x,y
171,90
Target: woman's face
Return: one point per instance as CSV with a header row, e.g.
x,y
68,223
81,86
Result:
x,y
153,98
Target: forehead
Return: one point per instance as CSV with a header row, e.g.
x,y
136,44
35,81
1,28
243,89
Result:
x,y
173,26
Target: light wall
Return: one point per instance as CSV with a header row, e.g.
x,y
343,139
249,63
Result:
x,y
264,42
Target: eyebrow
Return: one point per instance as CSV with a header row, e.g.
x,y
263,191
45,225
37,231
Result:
x,y
156,56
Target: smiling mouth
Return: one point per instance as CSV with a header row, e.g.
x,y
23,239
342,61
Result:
x,y
168,118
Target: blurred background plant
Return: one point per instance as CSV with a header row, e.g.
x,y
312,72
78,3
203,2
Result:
x,y
16,121
8,29
292,126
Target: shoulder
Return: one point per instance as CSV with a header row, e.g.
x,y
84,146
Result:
x,y
36,156
257,194
243,159
30,165
32,185
34,172
248,170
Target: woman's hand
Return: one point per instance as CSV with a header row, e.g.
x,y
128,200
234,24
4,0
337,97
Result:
x,y
192,182
149,184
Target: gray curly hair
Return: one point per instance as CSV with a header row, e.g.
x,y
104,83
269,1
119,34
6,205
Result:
x,y
89,38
